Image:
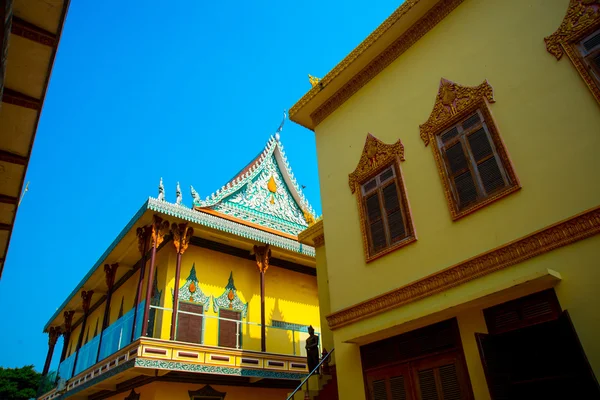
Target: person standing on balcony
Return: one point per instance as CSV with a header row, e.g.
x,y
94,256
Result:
x,y
312,349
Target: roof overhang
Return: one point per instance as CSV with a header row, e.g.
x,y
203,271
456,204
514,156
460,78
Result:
x,y
365,61
313,235
29,36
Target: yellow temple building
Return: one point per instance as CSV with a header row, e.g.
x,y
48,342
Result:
x,y
457,257
197,302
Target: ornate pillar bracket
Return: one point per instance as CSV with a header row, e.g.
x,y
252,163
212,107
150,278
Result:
x,y
182,234
68,316
53,334
263,256
159,229
143,234
110,272
87,300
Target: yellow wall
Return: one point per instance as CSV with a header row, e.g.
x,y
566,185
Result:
x,y
546,115
125,292
324,302
163,390
290,297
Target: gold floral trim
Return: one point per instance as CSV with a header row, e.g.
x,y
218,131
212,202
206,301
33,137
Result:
x,y
313,235
452,100
578,227
375,155
581,19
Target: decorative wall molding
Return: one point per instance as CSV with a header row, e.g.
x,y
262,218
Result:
x,y
451,102
581,19
375,155
578,227
389,55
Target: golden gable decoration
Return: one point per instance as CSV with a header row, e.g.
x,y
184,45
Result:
x,y
451,103
581,15
582,18
375,155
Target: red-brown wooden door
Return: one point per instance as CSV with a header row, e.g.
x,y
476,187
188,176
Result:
x,y
228,329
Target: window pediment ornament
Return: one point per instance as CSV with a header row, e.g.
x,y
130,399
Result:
x,y
191,290
452,99
581,15
230,299
375,154
206,392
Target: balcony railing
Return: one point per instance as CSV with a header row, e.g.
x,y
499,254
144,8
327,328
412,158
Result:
x,y
208,330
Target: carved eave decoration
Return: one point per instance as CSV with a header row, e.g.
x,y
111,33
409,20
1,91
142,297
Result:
x,y
375,155
230,299
206,392
452,102
582,18
192,292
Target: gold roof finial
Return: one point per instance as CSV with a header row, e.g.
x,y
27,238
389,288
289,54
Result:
x,y
313,80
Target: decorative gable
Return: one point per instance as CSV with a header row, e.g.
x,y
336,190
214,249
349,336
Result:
x,y
191,291
230,299
264,193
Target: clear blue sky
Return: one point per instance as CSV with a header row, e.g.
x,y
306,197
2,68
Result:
x,y
139,90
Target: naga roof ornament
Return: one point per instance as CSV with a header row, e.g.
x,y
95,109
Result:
x,y
178,194
161,191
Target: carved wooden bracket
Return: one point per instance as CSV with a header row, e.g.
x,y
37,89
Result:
x,y
143,234
87,299
110,272
160,228
581,15
451,102
375,155
263,255
53,334
68,316
182,234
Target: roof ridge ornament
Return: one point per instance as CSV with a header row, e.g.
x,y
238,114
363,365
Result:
x,y
277,133
195,196
161,190
178,195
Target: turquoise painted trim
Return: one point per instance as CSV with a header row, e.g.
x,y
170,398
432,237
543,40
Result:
x,y
220,370
225,225
100,262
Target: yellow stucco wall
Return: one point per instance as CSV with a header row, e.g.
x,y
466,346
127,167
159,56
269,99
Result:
x,y
164,391
324,302
290,296
125,293
550,124
546,116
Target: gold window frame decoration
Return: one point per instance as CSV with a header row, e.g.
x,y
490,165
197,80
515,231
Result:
x,y
581,19
453,104
376,157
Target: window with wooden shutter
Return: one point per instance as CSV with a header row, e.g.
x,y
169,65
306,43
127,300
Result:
x,y
590,51
391,383
440,378
473,163
387,222
230,332
189,326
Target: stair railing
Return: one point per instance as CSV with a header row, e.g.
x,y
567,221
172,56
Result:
x,y
291,396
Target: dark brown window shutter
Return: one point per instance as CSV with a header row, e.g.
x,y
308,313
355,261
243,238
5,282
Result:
x,y
228,329
394,213
592,42
487,164
526,311
189,327
450,383
458,163
376,226
427,385
398,388
379,390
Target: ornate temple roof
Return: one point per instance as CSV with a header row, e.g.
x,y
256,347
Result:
x,y
264,195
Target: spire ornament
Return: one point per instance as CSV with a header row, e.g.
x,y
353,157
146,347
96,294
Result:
x,y
161,191
178,195
195,196
314,81
277,133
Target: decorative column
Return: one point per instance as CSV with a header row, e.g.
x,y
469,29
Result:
x,y
68,316
110,272
53,333
159,230
182,234
263,255
87,299
143,234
